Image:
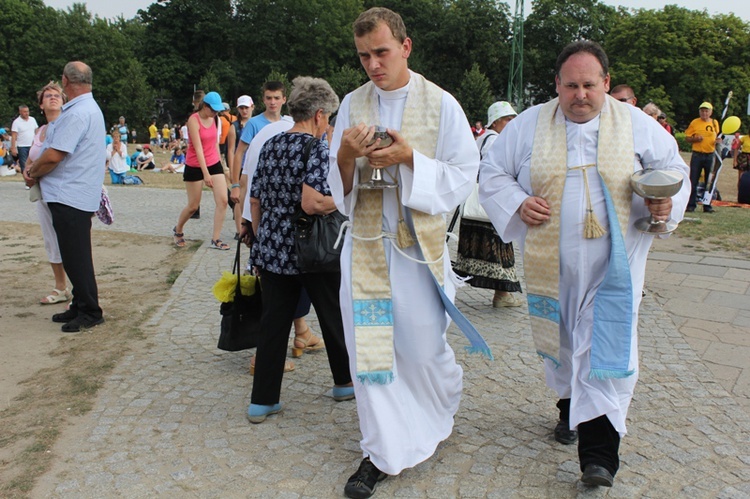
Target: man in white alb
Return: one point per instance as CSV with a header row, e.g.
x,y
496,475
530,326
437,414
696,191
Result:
x,y
584,261
396,278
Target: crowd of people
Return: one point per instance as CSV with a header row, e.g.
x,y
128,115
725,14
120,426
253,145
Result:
x,y
384,313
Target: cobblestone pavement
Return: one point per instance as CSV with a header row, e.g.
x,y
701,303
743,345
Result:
x,y
171,418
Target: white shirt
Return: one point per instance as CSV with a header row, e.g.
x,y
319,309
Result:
x,y
504,181
403,422
25,131
117,161
144,158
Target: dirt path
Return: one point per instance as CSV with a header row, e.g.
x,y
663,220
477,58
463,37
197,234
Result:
x,y
47,377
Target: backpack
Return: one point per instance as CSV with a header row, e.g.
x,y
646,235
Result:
x,y
132,180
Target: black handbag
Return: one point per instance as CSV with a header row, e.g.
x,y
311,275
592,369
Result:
x,y
315,236
240,318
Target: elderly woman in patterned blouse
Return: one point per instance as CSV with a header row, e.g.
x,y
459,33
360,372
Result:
x,y
291,173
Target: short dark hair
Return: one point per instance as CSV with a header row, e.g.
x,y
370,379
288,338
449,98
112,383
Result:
x,y
274,86
368,21
586,46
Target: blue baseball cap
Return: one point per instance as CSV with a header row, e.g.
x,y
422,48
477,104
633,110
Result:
x,y
213,99
2,131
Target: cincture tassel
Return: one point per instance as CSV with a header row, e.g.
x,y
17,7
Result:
x,y
592,229
404,238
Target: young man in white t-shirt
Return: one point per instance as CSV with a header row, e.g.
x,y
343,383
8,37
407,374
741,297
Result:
x,y
22,135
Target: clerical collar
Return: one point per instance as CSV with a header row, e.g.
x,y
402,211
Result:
x,y
399,93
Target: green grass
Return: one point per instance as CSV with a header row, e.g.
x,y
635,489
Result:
x,y
173,275
727,228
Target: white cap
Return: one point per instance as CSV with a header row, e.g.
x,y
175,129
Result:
x,y
499,109
245,100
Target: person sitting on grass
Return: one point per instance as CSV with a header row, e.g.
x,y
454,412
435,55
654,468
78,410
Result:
x,y
145,160
176,162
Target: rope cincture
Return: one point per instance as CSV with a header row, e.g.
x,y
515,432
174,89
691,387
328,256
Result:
x,y
387,235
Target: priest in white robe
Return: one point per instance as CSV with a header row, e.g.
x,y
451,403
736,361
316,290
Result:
x,y
598,143
406,397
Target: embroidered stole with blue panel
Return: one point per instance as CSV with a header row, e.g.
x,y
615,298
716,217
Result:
x,y
371,291
613,304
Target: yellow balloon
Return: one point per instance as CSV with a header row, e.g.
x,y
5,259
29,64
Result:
x,y
730,125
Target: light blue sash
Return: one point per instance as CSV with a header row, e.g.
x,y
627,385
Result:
x,y
478,344
613,308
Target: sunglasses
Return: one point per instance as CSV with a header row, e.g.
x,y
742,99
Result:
x,y
624,99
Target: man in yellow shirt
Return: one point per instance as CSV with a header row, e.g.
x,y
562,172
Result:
x,y
165,131
742,165
703,134
153,134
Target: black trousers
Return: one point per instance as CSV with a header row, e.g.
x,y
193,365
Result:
x,y
599,443
73,229
564,406
699,163
281,295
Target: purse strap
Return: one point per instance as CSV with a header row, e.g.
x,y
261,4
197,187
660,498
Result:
x,y
236,269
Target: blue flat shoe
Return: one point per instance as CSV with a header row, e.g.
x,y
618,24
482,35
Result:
x,y
257,413
341,393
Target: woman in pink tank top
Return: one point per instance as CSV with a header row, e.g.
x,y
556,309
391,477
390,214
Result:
x,y
203,165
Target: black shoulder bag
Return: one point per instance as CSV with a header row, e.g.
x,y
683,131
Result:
x,y
315,235
240,318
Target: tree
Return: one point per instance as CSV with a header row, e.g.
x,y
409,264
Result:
x,y
474,94
672,69
449,36
553,24
184,40
26,30
346,80
41,40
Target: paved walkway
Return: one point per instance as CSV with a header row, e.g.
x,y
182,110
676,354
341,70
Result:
x,y
170,420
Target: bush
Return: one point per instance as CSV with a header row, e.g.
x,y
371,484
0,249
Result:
x,y
683,144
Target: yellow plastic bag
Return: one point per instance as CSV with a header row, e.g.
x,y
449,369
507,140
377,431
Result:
x,y
224,288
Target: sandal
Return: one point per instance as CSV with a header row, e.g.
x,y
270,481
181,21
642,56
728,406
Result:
x,y
179,238
219,244
505,301
306,342
57,296
288,366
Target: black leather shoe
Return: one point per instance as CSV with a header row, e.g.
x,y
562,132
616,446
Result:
x,y
362,484
66,316
597,475
564,434
81,322
690,209
708,209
